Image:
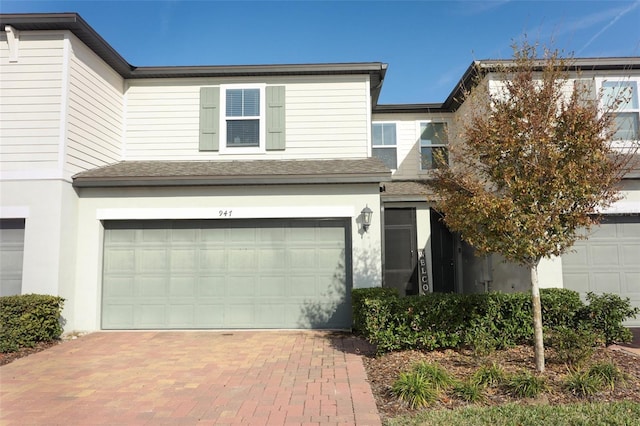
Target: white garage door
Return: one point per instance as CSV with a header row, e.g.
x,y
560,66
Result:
x,y
226,274
11,252
607,262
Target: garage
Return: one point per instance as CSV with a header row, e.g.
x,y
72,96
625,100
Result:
x,y
226,274
11,253
607,262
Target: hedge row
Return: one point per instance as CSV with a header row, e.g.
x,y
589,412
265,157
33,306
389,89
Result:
x,y
29,319
501,320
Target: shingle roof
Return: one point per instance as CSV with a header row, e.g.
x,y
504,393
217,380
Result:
x,y
256,172
407,190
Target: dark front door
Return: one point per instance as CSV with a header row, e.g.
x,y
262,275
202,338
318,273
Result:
x,y
443,254
401,259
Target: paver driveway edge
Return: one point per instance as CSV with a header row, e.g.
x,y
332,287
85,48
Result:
x,y
189,377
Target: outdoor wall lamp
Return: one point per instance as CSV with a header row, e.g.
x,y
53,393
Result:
x,y
366,218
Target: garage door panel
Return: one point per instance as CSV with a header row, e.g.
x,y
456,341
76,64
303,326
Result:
x,y
630,254
226,274
605,255
608,261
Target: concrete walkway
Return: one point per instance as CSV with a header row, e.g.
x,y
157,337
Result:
x,y
239,377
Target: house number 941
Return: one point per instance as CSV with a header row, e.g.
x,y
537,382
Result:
x,y
224,213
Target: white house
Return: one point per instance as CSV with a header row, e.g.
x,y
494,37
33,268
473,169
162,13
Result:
x,y
238,196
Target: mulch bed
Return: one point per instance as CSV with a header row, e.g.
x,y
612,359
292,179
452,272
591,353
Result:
x,y
383,370
6,358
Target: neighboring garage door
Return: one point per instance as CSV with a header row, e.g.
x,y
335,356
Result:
x,y
11,252
226,274
607,262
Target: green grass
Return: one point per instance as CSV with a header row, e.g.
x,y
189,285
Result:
x,y
585,414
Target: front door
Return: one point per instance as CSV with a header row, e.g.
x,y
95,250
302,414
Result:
x,y
401,259
443,255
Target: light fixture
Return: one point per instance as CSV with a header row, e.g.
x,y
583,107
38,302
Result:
x,y
366,218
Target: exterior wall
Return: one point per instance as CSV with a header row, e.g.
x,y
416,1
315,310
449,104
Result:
x,y
95,112
31,99
202,203
49,209
408,140
326,117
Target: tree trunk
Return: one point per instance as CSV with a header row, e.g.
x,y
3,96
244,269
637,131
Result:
x,y
537,318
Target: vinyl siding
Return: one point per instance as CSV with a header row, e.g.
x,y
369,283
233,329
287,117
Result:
x,y
95,112
30,99
326,117
408,140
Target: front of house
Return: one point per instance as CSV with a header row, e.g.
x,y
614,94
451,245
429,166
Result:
x,y
225,197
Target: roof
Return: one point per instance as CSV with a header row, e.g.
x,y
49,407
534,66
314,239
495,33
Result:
x,y
81,29
256,172
407,190
477,68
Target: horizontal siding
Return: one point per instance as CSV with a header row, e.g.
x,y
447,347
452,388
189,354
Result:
x,y
408,140
95,111
30,99
326,118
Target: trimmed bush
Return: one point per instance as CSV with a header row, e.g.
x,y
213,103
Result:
x,y
29,319
572,346
606,313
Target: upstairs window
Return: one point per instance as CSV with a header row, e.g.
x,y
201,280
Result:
x,y
243,117
433,145
626,118
384,144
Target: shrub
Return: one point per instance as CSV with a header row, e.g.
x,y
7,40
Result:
x,y
483,322
607,312
526,385
489,375
582,384
29,319
608,373
469,391
572,346
414,389
435,374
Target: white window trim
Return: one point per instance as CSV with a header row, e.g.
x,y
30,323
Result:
x,y
261,148
620,79
372,146
419,144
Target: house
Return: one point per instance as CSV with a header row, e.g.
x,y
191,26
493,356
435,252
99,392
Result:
x,y
238,196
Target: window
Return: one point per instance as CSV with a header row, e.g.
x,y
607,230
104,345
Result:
x,y
242,118
627,116
433,145
384,144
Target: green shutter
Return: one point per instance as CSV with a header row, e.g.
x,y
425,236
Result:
x,y
587,88
275,118
209,118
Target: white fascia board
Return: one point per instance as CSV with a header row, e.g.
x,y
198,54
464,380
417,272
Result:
x,y
622,207
226,212
14,212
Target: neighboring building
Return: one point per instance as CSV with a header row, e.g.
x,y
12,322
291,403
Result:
x,y
235,196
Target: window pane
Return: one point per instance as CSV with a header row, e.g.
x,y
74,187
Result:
x,y
389,134
243,133
234,103
384,134
433,134
431,157
388,156
243,102
251,102
626,125
627,91
377,134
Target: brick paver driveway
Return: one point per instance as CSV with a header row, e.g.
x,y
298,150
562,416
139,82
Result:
x,y
250,377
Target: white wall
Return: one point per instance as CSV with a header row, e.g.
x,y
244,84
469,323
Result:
x,y
31,91
326,117
95,111
198,203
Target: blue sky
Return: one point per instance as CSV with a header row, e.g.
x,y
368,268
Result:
x,y
427,44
